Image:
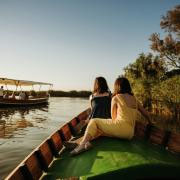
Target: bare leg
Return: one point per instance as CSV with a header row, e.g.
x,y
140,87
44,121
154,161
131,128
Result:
x,y
85,143
81,125
86,138
83,146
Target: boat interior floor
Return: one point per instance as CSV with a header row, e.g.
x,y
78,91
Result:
x,y
117,159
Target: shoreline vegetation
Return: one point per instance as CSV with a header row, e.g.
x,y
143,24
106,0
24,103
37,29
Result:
x,y
73,93
155,79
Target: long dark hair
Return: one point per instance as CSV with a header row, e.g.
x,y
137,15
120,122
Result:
x,y
100,85
122,86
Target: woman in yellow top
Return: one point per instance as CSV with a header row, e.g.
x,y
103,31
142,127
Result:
x,y
124,111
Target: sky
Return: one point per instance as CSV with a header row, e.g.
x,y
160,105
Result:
x,y
71,42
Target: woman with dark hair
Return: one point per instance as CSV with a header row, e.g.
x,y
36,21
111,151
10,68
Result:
x,y
100,101
124,111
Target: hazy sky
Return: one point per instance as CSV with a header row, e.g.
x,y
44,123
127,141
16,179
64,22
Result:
x,y
70,42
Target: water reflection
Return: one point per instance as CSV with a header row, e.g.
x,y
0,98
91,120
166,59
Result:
x,y
12,120
22,130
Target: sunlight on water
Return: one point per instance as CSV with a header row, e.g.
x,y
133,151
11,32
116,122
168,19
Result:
x,y
21,130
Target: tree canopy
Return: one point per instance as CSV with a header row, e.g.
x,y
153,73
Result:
x,y
146,67
169,47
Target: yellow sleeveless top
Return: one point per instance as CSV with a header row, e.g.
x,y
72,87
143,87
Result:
x,y
125,113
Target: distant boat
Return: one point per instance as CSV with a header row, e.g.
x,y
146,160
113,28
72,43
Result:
x,y
110,158
27,101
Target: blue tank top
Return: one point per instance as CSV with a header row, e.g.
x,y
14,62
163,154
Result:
x,y
101,107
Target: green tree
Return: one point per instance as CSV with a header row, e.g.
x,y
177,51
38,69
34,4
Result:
x,y
169,47
143,74
146,67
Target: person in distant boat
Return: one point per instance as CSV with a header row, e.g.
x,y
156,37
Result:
x,y
13,96
22,95
100,101
1,92
26,95
47,94
124,111
6,95
33,94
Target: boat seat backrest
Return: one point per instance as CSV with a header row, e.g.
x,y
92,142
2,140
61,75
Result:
x,y
158,136
34,166
73,122
72,125
174,143
56,143
84,115
45,155
65,133
16,175
140,130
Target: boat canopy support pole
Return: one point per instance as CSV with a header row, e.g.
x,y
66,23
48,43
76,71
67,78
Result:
x,y
6,86
16,84
50,87
16,87
40,87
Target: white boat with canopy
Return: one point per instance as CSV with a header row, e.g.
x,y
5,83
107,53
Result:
x,y
16,99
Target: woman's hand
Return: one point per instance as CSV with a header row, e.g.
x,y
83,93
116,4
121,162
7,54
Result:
x,y
87,121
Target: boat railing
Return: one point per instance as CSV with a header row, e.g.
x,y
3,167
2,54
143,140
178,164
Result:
x,y
29,98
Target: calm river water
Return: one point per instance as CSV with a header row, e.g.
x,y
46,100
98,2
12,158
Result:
x,y
21,130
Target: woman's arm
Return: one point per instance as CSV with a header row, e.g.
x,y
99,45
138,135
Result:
x,y
144,112
114,108
90,109
90,99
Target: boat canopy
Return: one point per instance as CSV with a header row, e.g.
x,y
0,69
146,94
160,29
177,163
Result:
x,y
16,82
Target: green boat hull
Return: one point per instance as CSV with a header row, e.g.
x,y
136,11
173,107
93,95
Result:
x,y
116,158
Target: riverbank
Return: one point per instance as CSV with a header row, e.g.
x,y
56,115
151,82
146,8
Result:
x,y
73,93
